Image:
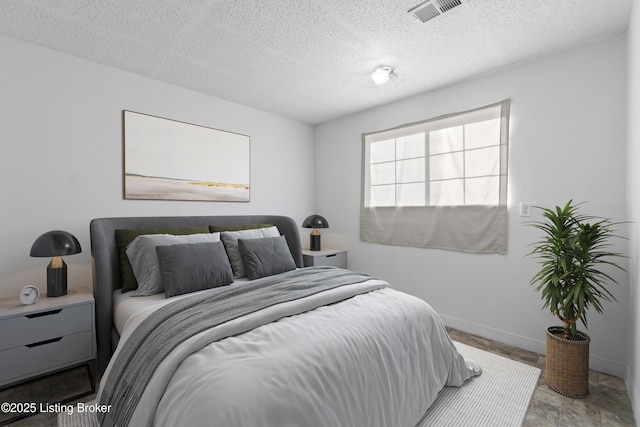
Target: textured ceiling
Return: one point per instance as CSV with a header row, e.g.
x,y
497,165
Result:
x,y
309,60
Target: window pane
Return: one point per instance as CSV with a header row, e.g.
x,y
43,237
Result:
x,y
382,151
446,166
383,195
383,173
482,162
411,146
446,140
447,193
411,194
410,170
482,191
482,134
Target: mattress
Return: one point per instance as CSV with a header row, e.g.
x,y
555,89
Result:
x,y
126,304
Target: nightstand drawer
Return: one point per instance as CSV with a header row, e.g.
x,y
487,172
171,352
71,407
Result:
x,y
26,361
44,325
335,259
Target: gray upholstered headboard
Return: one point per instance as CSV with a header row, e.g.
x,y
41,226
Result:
x,y
106,263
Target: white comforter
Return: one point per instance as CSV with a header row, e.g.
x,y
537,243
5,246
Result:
x,y
377,359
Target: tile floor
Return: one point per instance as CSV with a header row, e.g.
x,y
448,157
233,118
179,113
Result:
x,y
607,404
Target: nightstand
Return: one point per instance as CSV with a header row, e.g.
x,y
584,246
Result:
x,y
54,334
334,257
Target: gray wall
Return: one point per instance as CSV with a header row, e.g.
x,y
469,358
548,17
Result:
x,y
61,163
568,140
633,372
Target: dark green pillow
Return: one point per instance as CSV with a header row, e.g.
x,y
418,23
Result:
x,y
221,228
125,236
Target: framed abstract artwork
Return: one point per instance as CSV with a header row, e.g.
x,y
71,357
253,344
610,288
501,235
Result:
x,y
171,160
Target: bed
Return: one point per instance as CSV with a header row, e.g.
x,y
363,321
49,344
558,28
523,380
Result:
x,y
285,346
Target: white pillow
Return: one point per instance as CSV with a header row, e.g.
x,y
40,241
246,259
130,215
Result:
x,y
230,240
144,259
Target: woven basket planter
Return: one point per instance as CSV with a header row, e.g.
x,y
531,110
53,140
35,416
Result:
x,y
567,363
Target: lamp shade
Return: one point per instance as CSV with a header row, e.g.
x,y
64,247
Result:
x,y
55,243
315,221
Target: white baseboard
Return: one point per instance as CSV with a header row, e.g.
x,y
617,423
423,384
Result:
x,y
597,363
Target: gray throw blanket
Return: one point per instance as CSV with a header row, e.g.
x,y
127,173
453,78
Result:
x,y
174,323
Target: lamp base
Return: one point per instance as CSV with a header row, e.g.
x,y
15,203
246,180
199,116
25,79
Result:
x,y
56,280
314,243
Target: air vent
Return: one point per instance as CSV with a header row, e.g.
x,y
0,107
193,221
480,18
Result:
x,y
433,8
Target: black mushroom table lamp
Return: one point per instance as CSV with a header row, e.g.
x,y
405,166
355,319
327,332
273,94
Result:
x,y
56,244
315,222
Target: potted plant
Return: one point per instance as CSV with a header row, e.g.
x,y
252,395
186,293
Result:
x,y
572,252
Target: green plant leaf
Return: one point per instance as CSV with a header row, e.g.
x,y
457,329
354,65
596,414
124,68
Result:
x,y
572,253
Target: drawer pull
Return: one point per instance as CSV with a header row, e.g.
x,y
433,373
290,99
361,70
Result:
x,y
36,344
330,255
44,313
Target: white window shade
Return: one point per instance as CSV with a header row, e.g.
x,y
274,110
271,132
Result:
x,y
440,183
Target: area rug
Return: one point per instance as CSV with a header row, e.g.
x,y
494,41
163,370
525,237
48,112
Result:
x,y
499,397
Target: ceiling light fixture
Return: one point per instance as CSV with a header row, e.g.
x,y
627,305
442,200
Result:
x,y
383,74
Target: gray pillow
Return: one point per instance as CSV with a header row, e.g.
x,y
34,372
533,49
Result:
x,y
230,240
144,260
266,257
193,267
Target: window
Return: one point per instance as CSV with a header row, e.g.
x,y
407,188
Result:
x,y
448,166
454,161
